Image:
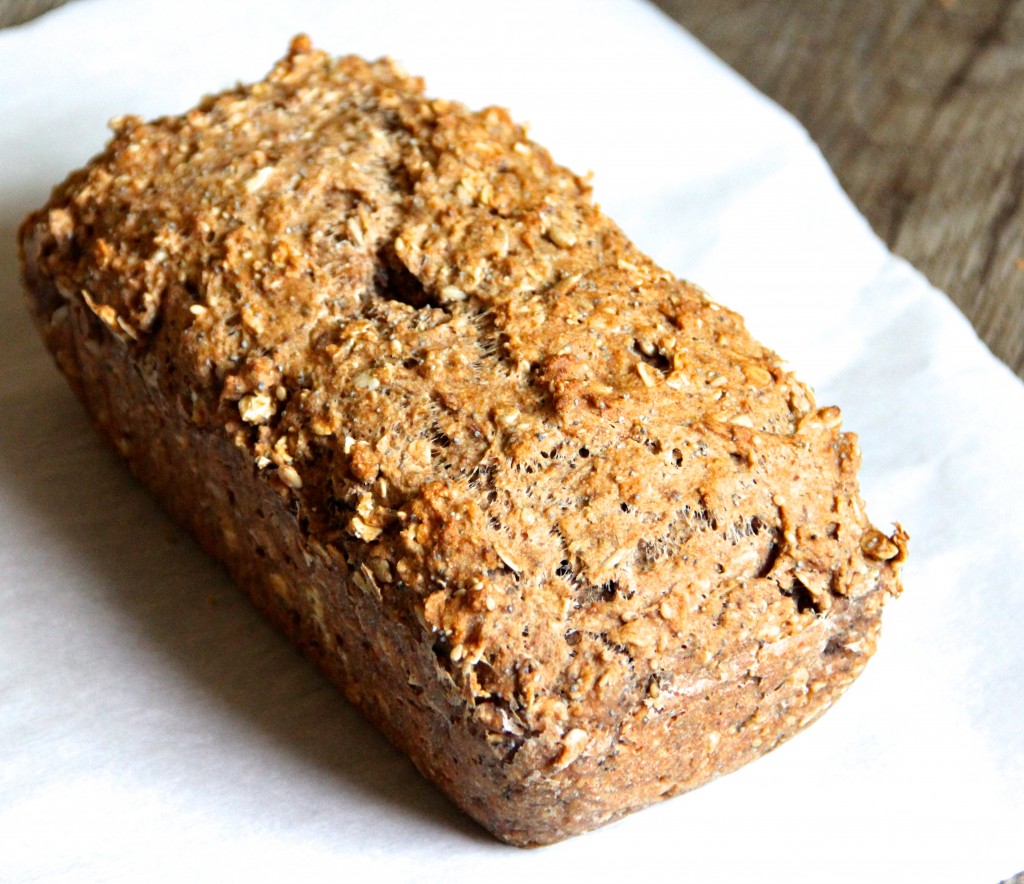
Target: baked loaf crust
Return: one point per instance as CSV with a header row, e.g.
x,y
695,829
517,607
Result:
x,y
546,514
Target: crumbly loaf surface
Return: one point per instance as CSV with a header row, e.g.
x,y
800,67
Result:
x,y
548,515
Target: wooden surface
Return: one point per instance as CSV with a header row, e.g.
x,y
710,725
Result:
x,y
14,12
918,105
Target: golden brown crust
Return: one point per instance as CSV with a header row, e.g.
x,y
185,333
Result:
x,y
548,515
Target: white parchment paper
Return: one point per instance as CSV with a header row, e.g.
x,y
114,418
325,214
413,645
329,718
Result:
x,y
152,727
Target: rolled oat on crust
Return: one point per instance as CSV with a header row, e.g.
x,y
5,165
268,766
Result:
x,y
546,514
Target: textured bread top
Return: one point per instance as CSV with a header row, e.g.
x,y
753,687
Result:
x,y
583,480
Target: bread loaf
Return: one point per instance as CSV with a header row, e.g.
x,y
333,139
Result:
x,y
546,514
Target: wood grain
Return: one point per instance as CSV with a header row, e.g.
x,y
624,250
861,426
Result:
x,y
14,12
919,108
